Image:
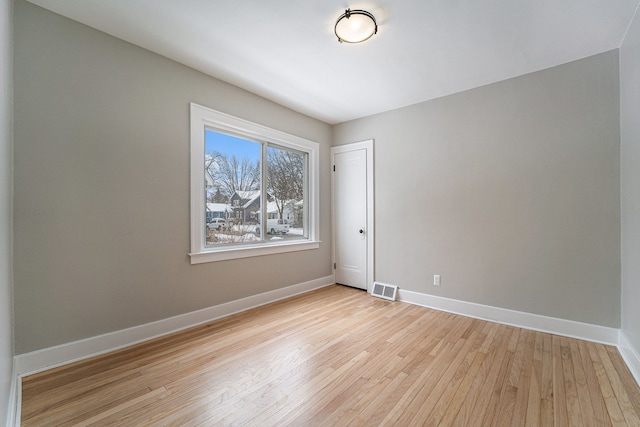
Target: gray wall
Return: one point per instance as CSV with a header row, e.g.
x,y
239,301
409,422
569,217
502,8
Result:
x,y
101,179
509,191
6,298
630,181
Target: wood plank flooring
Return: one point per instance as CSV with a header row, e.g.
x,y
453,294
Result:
x,y
337,357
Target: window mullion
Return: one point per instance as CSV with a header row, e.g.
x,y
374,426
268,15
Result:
x,y
307,199
263,191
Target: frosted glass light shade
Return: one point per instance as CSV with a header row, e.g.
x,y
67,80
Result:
x,y
355,26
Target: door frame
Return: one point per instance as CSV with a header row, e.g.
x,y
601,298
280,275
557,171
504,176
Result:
x,y
368,147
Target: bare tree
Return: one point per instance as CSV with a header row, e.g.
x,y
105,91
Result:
x,y
285,176
218,197
231,174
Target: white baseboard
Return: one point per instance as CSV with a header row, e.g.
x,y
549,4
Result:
x,y
630,355
36,361
536,322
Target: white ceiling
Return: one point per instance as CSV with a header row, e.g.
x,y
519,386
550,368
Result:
x,y
285,50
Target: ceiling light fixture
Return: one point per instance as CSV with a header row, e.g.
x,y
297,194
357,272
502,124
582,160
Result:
x,y
355,26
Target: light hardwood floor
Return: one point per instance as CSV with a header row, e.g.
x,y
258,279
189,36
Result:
x,y
336,357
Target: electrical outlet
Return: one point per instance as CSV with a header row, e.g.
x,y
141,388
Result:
x,y
436,280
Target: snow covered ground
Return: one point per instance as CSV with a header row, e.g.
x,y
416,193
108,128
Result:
x,y
247,233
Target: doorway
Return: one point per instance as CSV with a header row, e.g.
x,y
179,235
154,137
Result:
x,y
353,214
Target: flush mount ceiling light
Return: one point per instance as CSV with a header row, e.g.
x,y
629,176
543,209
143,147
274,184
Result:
x,y
355,26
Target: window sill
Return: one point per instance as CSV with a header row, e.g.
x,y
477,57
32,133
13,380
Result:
x,y
223,254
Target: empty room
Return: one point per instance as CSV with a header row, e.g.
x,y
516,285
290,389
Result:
x,y
320,213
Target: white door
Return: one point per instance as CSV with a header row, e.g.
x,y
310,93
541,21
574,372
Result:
x,y
353,214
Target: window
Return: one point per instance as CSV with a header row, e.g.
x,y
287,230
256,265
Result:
x,y
262,182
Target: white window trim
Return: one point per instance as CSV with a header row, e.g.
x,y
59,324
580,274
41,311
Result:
x,y
202,117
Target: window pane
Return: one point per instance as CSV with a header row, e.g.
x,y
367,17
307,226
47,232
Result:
x,y
286,187
232,187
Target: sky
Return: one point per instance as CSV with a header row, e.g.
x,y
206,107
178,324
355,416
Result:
x,y
230,145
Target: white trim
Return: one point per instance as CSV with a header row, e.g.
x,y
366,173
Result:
x,y
252,251
368,147
51,357
202,117
15,398
536,322
630,356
